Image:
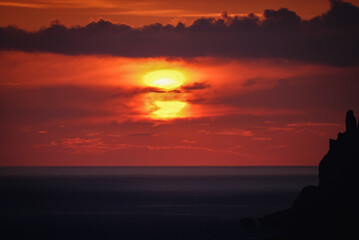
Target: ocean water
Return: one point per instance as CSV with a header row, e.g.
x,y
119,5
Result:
x,y
144,202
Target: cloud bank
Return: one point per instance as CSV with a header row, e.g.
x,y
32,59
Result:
x,y
327,39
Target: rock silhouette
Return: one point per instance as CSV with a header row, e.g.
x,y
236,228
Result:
x,y
329,210
350,122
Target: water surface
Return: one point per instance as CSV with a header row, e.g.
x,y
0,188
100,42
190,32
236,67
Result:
x,y
145,202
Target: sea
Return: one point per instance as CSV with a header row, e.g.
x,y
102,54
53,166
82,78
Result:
x,y
145,203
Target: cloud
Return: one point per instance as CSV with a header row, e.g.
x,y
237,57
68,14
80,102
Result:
x,y
196,86
275,129
31,105
337,90
262,138
22,4
42,131
99,4
282,19
341,14
204,132
141,135
278,146
329,39
79,145
52,145
312,124
252,82
237,132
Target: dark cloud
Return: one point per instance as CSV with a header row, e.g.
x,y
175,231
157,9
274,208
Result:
x,y
282,20
341,14
252,82
314,94
330,38
196,86
41,104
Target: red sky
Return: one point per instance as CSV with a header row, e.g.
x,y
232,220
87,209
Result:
x,y
97,95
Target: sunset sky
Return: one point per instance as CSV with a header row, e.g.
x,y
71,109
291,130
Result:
x,y
172,82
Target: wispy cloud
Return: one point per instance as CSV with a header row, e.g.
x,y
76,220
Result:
x,y
101,4
277,146
24,4
42,131
275,129
203,131
80,145
313,124
237,132
149,12
262,138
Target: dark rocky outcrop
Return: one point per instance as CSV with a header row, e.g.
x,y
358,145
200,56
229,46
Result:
x,y
329,210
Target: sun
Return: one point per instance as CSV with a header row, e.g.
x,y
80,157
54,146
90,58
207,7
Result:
x,y
165,104
166,79
168,109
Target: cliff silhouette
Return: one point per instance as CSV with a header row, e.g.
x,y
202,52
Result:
x,y
329,210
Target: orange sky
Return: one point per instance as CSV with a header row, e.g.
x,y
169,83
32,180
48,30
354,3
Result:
x,y
33,14
238,91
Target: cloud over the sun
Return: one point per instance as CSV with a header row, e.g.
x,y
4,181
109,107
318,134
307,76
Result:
x,y
329,39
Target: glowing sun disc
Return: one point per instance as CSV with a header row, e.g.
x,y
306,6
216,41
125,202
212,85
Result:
x,y
164,79
168,109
